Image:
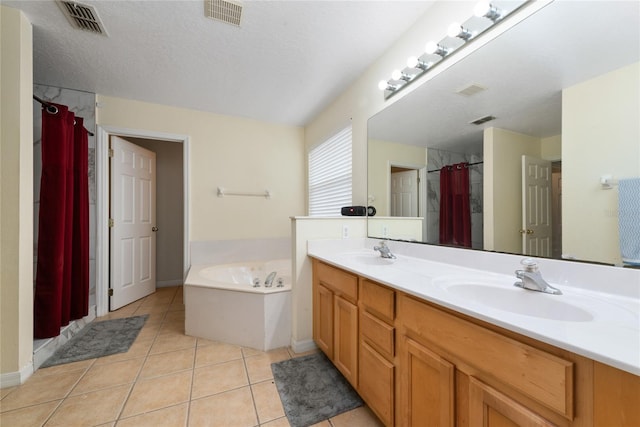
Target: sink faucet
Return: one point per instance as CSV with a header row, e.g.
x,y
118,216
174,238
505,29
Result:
x,y
269,280
531,279
384,250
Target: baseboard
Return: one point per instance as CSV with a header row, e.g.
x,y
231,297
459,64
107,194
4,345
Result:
x,y
168,283
12,379
302,346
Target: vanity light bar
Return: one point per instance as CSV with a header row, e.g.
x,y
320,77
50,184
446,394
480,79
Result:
x,y
417,66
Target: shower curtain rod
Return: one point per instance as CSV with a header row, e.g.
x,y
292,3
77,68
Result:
x,y
53,109
470,164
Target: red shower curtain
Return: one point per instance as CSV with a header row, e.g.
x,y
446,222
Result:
x,y
62,280
455,213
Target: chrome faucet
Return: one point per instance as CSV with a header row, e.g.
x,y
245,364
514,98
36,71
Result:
x,y
384,250
268,282
531,279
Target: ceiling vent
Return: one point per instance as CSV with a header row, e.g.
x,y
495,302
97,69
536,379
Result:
x,y
471,90
223,10
482,120
82,16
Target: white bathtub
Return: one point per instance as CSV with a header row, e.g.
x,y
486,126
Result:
x,y
222,304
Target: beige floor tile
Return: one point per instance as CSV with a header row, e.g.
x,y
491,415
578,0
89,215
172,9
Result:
x,y
137,350
359,417
217,353
175,316
90,409
174,416
66,367
6,391
176,305
259,366
29,417
248,352
148,334
104,376
218,378
204,342
41,389
280,422
304,353
167,343
158,299
168,363
156,393
267,401
172,328
231,409
152,309
322,424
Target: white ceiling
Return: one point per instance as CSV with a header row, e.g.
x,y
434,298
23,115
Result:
x,y
287,61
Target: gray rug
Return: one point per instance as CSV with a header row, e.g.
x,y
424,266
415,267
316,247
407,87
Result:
x,y
99,339
312,389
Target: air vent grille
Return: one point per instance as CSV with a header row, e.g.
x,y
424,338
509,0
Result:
x,y
482,120
224,10
471,90
82,16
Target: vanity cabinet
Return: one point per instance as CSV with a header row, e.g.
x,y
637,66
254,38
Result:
x,y
376,379
416,363
335,317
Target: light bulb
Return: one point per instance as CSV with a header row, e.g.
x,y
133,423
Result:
x,y
412,62
482,8
454,29
431,48
396,75
382,85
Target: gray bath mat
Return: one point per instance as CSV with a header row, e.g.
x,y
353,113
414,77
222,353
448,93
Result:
x,y
312,389
99,339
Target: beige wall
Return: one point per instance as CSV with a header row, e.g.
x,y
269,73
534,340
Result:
x,y
600,135
503,152
379,155
16,198
233,153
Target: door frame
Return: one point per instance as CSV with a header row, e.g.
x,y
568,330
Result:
x,y
102,203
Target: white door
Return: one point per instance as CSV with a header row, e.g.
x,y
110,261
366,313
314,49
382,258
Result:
x,y
404,193
536,207
133,211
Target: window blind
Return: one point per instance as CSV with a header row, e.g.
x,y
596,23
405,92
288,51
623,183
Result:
x,y
330,175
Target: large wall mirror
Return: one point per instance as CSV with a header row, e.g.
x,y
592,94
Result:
x,y
558,101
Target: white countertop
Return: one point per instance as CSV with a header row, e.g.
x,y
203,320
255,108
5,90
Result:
x,y
601,326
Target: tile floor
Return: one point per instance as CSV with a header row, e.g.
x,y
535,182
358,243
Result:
x,y
165,379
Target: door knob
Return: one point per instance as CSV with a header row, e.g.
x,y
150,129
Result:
x,y
154,229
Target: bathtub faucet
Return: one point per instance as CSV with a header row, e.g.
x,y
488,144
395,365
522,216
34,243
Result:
x,y
268,282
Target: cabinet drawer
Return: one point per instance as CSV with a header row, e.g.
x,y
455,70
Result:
x,y
377,333
342,283
539,375
378,300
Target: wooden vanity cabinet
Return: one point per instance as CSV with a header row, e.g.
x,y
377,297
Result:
x,y
335,317
376,379
419,364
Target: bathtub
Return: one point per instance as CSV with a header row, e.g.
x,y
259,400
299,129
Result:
x,y
223,303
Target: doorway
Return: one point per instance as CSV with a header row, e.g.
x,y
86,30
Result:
x,y
170,231
406,192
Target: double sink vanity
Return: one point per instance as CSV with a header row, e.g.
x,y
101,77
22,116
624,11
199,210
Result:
x,y
429,341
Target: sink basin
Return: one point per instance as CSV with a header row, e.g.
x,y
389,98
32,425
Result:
x,y
520,301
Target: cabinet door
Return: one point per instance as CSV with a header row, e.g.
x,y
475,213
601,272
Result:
x,y
345,330
490,408
323,319
376,383
427,388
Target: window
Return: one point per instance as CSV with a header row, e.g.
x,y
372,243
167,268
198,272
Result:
x,y
330,175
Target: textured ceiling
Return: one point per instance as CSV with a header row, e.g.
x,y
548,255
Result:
x,y
287,61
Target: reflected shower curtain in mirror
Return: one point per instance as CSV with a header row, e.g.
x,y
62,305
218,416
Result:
x,y
62,274
455,212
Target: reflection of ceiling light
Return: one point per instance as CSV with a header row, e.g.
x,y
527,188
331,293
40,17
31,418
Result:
x,y
418,67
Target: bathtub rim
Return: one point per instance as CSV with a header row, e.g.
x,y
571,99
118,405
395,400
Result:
x,y
195,279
